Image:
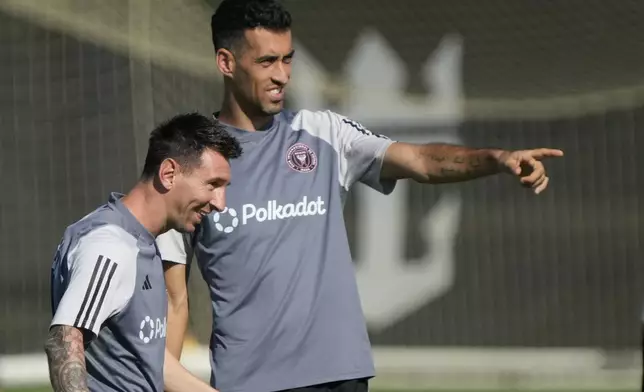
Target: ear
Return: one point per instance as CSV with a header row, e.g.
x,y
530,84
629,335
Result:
x,y
168,171
226,62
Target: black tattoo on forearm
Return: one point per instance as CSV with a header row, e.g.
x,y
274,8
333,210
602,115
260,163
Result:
x,y
448,163
66,358
445,171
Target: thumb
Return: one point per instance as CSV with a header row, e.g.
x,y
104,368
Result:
x,y
514,165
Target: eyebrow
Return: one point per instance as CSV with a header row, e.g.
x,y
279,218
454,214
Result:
x,y
273,57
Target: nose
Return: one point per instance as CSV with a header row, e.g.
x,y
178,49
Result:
x,y
282,74
218,201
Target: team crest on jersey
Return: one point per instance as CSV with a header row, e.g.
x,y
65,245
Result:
x,y
301,158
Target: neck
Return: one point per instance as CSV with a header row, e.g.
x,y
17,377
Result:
x,y
232,113
144,203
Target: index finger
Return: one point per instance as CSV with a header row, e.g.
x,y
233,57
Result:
x,y
546,152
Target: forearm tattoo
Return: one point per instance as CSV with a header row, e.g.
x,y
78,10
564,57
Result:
x,y
452,162
66,358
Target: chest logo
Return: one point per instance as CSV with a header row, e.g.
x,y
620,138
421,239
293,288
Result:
x,y
223,224
301,158
152,329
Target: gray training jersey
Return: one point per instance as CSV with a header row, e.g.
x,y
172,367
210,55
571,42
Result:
x,y
107,278
277,262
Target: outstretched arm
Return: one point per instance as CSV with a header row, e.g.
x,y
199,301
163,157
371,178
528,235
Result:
x,y
66,358
444,163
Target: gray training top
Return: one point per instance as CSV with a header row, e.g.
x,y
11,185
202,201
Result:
x,y
107,278
277,262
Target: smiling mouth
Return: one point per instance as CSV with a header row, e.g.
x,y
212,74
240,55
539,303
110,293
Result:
x,y
276,93
201,214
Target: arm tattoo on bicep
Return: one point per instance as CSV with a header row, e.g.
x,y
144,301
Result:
x,y
66,358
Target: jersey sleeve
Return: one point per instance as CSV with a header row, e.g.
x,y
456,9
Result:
x,y
101,278
174,247
361,154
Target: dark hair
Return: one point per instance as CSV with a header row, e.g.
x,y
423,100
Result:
x,y
233,17
184,139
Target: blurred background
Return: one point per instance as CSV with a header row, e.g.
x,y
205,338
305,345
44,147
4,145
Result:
x,y
478,285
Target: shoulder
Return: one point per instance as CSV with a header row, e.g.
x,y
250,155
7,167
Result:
x,y
102,224
306,118
106,236
320,120
324,124
101,266
108,245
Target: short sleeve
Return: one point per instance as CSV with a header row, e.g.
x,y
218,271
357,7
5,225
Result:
x,y
361,154
100,279
174,247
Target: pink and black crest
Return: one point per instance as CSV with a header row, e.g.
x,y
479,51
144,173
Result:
x,y
301,158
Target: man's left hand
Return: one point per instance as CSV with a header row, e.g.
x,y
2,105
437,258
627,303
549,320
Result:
x,y
527,165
